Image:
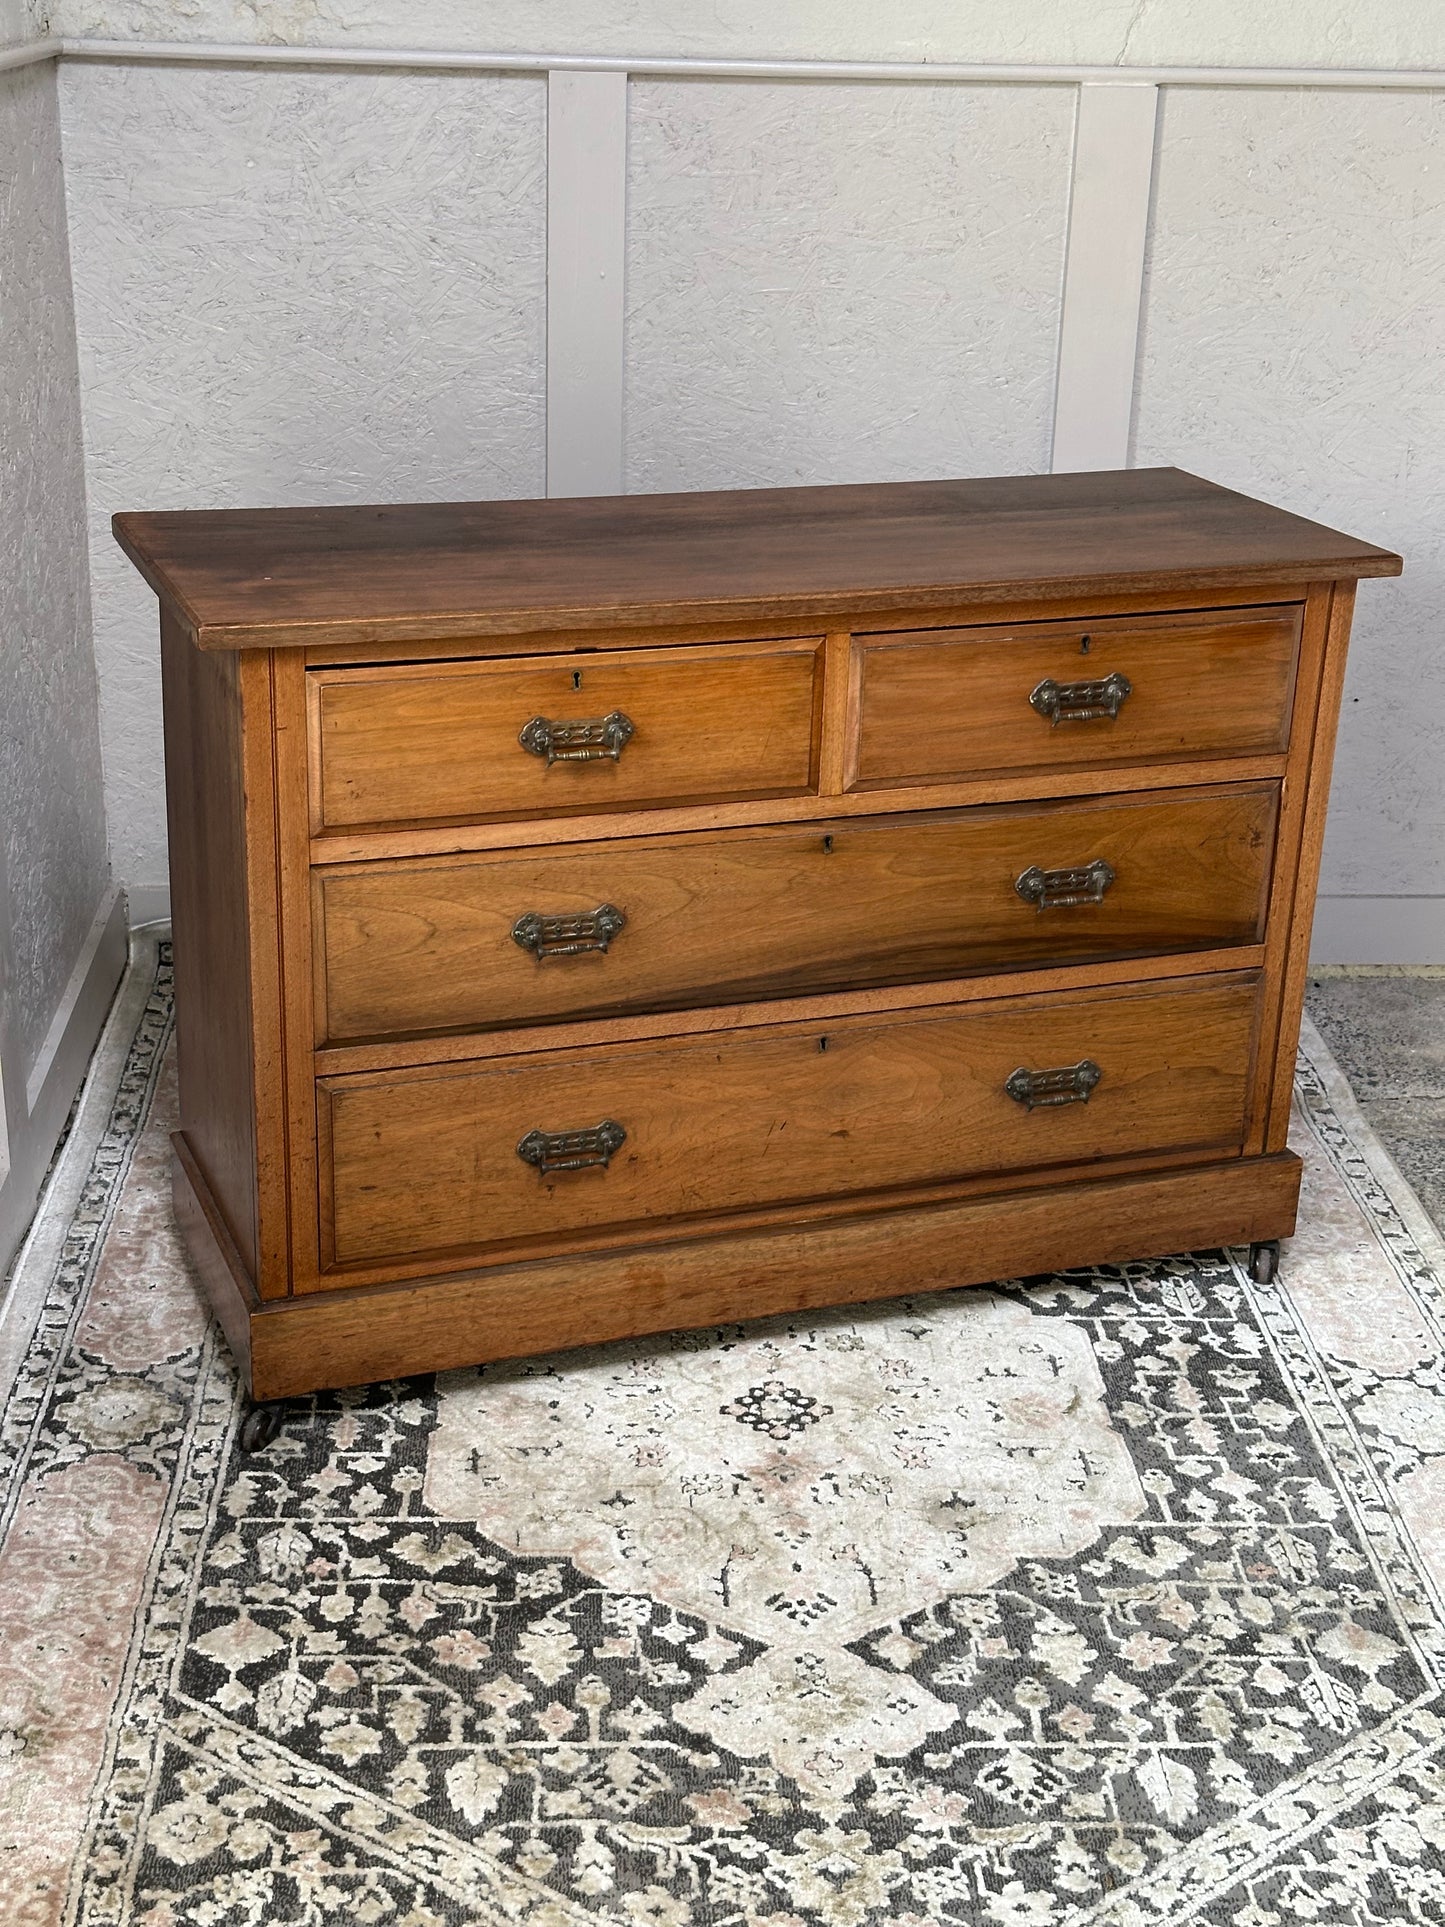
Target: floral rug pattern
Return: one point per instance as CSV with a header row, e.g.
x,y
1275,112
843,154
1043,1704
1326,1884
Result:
x,y
1109,1598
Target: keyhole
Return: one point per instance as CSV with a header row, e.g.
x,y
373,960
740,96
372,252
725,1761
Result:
x,y
827,846
576,678
1083,645
822,1043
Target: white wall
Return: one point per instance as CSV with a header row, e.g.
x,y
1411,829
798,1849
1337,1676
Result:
x,y
55,904
1294,346
291,287
834,283
21,20
298,285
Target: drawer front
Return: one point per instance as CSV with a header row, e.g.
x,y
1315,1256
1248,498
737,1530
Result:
x,y
562,735
449,1161
480,942
939,705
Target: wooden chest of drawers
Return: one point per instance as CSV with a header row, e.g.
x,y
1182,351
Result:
x,y
598,917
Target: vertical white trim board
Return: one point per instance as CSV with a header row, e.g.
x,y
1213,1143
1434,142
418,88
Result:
x,y
60,1068
586,252
1379,930
1113,180
12,1062
80,1013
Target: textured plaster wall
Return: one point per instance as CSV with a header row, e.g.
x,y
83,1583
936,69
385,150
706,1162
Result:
x,y
1185,32
52,823
293,287
17,22
834,283
1292,346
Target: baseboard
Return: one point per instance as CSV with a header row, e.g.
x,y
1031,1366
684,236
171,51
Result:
x,y
81,1011
148,903
1379,930
60,1067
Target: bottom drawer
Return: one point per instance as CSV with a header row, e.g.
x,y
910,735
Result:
x,y
448,1161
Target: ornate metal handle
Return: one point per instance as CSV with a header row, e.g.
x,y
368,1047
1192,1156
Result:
x,y
1071,1085
1080,702
566,936
1058,889
572,1150
597,741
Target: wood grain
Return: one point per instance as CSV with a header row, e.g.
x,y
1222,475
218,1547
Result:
x,y
211,921
427,1160
1017,606
281,577
818,1010
942,705
353,1337
208,1239
298,996
1293,793
364,846
1315,784
826,973
409,745
406,948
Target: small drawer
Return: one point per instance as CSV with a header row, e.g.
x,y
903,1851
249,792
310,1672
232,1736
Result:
x,y
561,735
484,941
442,1163
939,705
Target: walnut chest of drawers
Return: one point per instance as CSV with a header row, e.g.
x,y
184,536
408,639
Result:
x,y
604,916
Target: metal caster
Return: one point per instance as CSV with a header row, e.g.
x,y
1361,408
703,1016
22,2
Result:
x,y
1264,1261
260,1426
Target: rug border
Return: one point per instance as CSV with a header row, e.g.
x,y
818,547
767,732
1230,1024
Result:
x,y
1392,1180
32,1272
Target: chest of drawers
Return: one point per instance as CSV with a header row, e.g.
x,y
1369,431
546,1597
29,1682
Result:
x,y
599,917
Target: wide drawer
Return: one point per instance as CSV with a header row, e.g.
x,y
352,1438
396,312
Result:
x,y
561,735
447,1161
484,941
938,705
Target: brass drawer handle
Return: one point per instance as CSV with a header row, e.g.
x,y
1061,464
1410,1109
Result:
x,y
1058,889
572,1150
567,936
1081,702
1071,1085
600,740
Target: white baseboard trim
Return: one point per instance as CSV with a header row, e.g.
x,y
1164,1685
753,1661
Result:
x,y
147,904
1379,930
80,1013
61,1065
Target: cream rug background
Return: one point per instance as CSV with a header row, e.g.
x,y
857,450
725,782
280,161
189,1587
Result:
x,y
1113,1597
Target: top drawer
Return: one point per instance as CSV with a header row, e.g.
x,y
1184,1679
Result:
x,y
936,705
562,735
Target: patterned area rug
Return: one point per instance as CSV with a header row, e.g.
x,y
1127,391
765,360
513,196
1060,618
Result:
x,y
1112,1597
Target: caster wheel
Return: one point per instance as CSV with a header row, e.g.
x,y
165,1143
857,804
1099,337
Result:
x,y
259,1427
1264,1261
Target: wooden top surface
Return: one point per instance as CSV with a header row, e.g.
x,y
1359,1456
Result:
x,y
247,578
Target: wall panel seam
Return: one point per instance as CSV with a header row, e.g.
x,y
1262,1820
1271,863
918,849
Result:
x,y
586,259
1109,203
